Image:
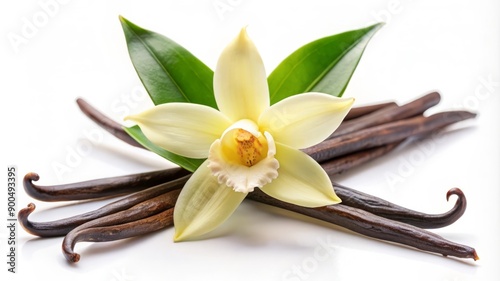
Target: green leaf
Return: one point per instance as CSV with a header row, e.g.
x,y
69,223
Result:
x,y
325,65
186,163
169,72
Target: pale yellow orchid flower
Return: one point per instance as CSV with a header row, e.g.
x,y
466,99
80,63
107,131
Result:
x,y
248,143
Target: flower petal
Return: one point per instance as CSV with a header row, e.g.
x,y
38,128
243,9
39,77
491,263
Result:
x,y
240,83
203,205
186,129
301,180
303,120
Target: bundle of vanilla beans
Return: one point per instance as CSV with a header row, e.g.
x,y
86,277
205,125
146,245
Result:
x,y
367,132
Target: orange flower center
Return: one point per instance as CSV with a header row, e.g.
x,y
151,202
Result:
x,y
248,148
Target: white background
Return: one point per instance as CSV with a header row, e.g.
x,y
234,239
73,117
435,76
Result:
x,y
77,49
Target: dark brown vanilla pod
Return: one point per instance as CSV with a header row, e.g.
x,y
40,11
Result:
x,y
63,226
99,188
389,114
384,134
133,215
117,232
380,207
343,163
106,123
370,225
358,111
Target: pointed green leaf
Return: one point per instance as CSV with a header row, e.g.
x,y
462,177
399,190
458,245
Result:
x,y
325,65
169,72
186,163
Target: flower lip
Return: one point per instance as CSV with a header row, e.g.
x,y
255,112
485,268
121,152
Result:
x,y
242,160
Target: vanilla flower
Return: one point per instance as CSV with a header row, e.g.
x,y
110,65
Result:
x,y
248,143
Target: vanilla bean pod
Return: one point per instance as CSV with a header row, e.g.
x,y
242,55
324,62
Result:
x,y
99,188
357,199
380,207
374,226
384,134
389,114
119,231
138,212
106,123
358,111
63,226
343,163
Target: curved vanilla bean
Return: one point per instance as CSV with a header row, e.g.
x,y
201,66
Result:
x,y
374,226
358,111
63,226
140,211
106,123
389,114
380,207
384,134
117,232
99,188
